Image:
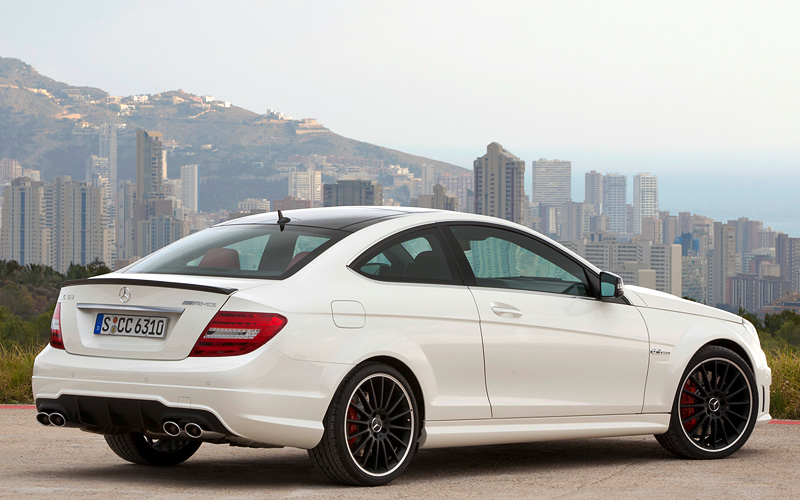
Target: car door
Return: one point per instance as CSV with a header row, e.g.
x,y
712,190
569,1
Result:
x,y
413,292
551,348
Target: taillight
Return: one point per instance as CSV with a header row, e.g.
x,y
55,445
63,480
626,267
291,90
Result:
x,y
56,339
234,333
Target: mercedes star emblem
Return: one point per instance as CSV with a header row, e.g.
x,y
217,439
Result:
x,y
124,294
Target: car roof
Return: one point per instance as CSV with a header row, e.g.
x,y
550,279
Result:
x,y
340,218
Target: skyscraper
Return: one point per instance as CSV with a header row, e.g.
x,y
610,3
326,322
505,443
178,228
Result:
x,y
23,234
499,184
149,163
594,187
615,198
723,264
75,213
306,185
108,149
189,183
645,199
552,181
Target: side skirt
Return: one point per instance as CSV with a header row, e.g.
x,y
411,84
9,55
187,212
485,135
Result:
x,y
441,434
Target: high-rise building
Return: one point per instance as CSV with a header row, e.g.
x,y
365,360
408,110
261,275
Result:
x,y
787,256
552,181
499,184
149,163
306,185
576,220
593,188
462,186
108,149
723,264
615,197
189,184
24,236
76,216
428,177
645,199
10,169
352,192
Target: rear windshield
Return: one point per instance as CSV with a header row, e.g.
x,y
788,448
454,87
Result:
x,y
241,251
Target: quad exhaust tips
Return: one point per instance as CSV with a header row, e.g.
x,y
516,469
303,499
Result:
x,y
191,429
55,419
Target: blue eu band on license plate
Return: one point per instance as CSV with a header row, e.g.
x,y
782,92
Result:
x,y
130,326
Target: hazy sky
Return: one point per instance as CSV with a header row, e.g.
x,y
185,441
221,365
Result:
x,y
673,88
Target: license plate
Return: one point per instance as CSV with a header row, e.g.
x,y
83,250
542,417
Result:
x,y
130,326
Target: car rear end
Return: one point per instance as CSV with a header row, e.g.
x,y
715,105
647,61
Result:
x,y
171,348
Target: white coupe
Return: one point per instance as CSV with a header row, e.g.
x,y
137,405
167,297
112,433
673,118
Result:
x,y
365,333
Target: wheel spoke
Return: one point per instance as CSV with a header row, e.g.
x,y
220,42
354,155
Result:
x,y
388,399
696,405
362,446
730,384
699,425
359,410
690,417
365,401
399,415
724,432
698,385
385,454
740,389
725,375
377,455
707,387
693,394
357,422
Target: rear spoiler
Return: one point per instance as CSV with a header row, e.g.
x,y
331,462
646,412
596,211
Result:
x,y
161,284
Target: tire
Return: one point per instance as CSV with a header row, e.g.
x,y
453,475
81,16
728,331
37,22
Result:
x,y
715,406
136,448
371,428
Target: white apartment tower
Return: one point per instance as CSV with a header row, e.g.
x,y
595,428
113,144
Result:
x,y
189,183
500,184
645,199
306,185
615,199
552,182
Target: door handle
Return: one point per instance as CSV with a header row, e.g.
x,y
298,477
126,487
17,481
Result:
x,y
503,309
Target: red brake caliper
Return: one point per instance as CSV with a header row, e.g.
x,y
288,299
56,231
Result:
x,y
351,428
688,400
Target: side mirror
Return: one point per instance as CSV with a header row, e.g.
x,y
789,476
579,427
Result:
x,y
611,286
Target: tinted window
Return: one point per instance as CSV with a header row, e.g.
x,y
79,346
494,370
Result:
x,y
506,259
416,257
245,251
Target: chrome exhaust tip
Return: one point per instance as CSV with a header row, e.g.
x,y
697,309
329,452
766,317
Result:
x,y
57,419
43,418
171,428
193,430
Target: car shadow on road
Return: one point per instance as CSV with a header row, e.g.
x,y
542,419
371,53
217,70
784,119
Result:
x,y
293,468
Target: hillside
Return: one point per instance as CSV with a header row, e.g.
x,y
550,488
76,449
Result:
x,y
52,126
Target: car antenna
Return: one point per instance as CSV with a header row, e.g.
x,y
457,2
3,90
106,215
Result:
x,y
282,221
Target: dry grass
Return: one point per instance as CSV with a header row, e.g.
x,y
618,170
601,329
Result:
x,y
16,368
785,391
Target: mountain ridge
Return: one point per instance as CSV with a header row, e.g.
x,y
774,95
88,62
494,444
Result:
x,y
52,126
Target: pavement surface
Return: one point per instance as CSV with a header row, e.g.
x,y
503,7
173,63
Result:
x,y
48,462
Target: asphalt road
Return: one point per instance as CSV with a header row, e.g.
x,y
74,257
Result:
x,y
47,462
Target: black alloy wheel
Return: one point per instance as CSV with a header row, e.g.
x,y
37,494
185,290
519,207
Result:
x,y
715,408
139,449
371,428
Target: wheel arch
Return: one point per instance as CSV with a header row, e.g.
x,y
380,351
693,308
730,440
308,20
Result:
x,y
735,347
409,375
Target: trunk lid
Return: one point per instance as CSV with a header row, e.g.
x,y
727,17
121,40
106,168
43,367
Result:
x,y
186,305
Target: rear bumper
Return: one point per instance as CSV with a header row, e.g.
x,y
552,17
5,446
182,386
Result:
x,y
264,397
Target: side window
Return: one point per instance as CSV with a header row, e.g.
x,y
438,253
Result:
x,y
501,258
416,257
